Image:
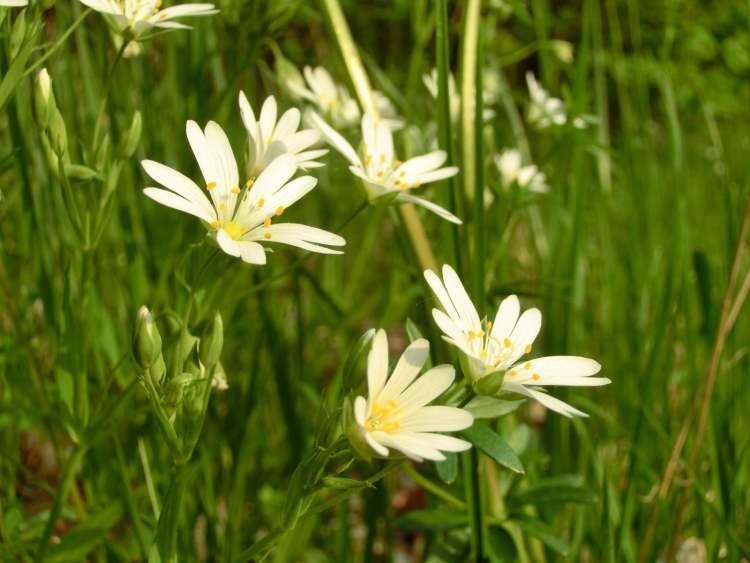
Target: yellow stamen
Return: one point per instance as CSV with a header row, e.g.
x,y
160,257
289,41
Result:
x,y
397,163
261,203
267,235
279,210
382,158
215,224
249,183
222,206
527,365
416,185
267,222
379,174
507,343
235,190
210,185
535,377
527,349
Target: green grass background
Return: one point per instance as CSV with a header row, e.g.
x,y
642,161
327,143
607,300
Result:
x,y
628,257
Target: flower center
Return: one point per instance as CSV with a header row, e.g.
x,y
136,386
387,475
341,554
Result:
x,y
384,417
491,350
234,230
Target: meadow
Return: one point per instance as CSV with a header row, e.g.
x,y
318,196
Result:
x,y
210,360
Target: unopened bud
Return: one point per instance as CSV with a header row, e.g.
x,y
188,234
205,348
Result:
x,y
563,50
133,137
57,134
44,102
211,342
490,384
146,339
289,77
80,172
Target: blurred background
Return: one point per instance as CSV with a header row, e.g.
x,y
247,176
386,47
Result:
x,y
628,255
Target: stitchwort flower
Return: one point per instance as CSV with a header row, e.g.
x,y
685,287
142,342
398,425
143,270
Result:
x,y
491,347
240,217
512,171
395,414
379,169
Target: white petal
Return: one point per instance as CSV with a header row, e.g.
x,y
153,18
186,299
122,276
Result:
x,y
433,207
292,192
287,124
466,311
437,419
425,163
436,284
449,327
203,153
506,318
226,163
227,243
248,115
360,410
267,118
335,139
273,177
377,364
302,236
375,445
410,445
178,183
251,252
526,331
407,368
437,175
426,388
301,140
444,443
547,400
171,199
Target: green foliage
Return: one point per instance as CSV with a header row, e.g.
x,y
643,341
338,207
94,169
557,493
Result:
x,y
113,444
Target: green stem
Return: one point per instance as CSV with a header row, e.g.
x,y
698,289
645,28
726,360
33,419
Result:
x,y
164,548
472,488
433,488
58,43
361,83
71,466
107,88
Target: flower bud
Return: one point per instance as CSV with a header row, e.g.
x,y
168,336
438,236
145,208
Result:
x,y
289,77
80,172
563,50
131,140
57,135
44,101
209,347
490,384
146,339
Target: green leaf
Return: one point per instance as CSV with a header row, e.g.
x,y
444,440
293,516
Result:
x,y
543,533
502,547
447,469
164,548
76,544
432,520
453,549
491,407
488,441
562,489
16,69
342,483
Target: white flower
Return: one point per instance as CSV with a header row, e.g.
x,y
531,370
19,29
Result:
x,y
544,110
334,101
510,165
239,217
379,169
489,95
497,346
14,3
139,16
395,414
268,138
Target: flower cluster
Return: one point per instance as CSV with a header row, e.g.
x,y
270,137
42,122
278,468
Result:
x,y
242,214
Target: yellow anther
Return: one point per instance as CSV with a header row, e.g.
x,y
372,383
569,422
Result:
x,y
513,373
396,182
416,185
215,224
261,203
527,349
279,210
379,174
222,206
535,377
267,222
402,174
368,159
507,343
397,163
235,190
267,235
210,185
489,325
527,365
249,183
382,158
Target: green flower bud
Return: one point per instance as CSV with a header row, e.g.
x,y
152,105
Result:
x,y
57,135
131,140
146,339
158,370
490,384
289,77
44,100
17,35
211,342
80,172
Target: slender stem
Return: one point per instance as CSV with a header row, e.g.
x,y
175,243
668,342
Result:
x,y
442,47
107,88
58,43
71,466
433,488
472,161
361,83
